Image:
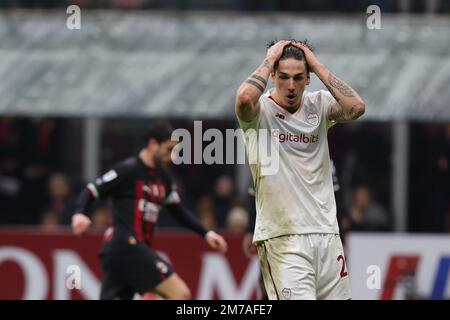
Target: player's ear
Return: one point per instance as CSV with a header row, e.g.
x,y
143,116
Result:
x,y
308,79
273,75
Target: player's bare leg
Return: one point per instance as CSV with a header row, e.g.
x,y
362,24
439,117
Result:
x,y
173,288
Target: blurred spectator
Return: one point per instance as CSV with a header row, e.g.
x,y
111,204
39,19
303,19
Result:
x,y
10,183
28,148
346,6
224,198
50,221
208,219
126,4
41,155
365,214
440,190
237,221
101,219
247,242
427,6
429,178
60,200
385,5
205,211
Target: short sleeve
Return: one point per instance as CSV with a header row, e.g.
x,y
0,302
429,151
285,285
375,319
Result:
x,y
254,123
326,101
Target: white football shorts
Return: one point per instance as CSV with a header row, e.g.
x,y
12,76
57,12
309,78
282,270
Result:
x,y
304,267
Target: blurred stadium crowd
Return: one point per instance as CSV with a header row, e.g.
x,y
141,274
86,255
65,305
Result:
x,y
346,6
40,157
40,176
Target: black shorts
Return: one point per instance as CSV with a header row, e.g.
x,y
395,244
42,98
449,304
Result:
x,y
129,269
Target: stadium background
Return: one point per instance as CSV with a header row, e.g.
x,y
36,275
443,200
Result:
x,y
73,102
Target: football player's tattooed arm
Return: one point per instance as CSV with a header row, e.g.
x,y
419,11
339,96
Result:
x,y
248,94
349,105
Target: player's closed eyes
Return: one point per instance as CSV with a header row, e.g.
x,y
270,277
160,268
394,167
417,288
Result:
x,y
295,78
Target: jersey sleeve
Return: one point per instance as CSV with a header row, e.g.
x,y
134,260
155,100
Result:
x,y
254,123
109,182
326,100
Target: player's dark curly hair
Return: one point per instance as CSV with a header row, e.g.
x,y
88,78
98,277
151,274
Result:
x,y
159,130
291,51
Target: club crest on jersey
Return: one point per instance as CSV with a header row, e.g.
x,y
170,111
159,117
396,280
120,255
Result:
x,y
132,240
280,116
107,177
155,190
312,118
162,267
286,292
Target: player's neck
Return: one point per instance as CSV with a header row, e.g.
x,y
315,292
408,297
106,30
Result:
x,y
147,158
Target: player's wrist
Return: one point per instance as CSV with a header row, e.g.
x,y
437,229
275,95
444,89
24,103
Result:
x,y
317,67
78,214
208,233
269,61
80,217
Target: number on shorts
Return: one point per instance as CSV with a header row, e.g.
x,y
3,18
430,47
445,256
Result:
x,y
343,272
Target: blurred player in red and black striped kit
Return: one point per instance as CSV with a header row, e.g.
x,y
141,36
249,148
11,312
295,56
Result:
x,y
140,187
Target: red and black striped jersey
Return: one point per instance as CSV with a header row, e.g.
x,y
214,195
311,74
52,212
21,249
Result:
x,y
138,192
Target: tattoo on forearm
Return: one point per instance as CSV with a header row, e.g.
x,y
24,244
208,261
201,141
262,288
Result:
x,y
265,65
356,111
340,85
255,84
351,113
332,93
338,113
263,81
